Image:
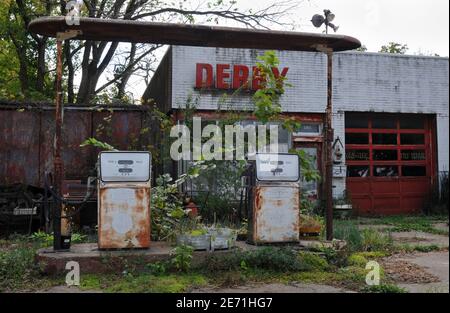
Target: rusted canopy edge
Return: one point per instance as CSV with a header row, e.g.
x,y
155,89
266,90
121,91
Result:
x,y
192,35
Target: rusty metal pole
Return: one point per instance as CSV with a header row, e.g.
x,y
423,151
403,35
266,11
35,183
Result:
x,y
328,149
57,161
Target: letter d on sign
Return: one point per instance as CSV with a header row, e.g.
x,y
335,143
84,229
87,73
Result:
x,y
373,277
73,276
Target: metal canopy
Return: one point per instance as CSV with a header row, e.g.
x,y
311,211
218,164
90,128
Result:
x,y
192,35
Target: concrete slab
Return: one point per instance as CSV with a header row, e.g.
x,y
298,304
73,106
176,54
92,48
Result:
x,y
93,260
420,238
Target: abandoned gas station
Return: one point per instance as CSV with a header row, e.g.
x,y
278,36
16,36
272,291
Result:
x,y
390,115
376,124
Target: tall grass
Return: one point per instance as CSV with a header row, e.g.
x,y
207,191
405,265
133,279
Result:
x,y
361,240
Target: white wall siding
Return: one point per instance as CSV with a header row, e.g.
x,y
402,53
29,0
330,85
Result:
x,y
306,74
390,83
374,82
365,82
443,142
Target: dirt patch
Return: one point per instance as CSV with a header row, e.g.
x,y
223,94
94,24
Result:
x,y
420,238
401,271
275,288
441,226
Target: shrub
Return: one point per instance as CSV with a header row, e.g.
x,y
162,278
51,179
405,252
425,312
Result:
x,y
313,261
182,257
357,259
385,288
224,262
373,240
270,258
348,231
429,248
158,268
46,240
276,259
16,267
365,240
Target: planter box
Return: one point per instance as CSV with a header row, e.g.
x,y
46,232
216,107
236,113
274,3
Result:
x,y
343,210
202,242
309,231
222,238
215,239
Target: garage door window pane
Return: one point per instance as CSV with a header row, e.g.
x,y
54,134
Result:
x,y
384,122
413,155
412,139
356,121
385,171
384,139
412,122
357,155
356,139
385,155
357,171
414,171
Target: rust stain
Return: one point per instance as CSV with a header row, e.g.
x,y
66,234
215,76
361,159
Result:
x,y
125,217
276,214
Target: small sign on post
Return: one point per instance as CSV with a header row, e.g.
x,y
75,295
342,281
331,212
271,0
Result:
x,y
340,171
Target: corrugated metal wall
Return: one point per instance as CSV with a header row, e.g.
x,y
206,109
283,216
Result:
x,y
27,131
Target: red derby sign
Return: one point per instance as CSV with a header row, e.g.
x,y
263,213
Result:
x,y
231,76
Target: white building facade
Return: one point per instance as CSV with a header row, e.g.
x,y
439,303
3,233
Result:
x,y
390,114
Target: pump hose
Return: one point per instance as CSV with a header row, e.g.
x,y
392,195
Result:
x,y
82,203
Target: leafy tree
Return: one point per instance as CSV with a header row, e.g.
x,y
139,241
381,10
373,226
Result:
x,y
105,67
363,48
24,56
394,47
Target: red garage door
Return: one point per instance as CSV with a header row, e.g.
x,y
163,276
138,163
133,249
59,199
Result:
x,y
390,162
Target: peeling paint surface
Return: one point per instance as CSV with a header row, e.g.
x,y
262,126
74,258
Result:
x,y
124,216
276,214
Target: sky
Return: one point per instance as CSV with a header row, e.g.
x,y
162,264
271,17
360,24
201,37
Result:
x,y
421,24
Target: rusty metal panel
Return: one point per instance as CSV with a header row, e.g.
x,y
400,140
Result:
x,y
191,35
121,129
276,214
124,216
27,139
19,147
76,128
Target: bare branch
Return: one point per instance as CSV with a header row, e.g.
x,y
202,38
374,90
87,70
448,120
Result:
x,y
128,69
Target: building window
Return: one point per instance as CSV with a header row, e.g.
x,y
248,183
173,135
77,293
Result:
x,y
309,129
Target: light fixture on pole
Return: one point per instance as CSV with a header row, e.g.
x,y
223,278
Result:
x,y
318,20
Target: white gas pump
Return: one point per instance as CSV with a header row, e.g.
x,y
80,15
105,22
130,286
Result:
x,y
124,200
275,199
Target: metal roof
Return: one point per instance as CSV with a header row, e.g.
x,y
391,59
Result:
x,y
192,35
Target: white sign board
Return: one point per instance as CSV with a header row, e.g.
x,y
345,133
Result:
x,y
277,167
125,166
340,171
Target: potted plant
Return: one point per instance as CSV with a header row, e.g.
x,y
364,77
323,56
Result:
x,y
222,237
310,226
193,234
